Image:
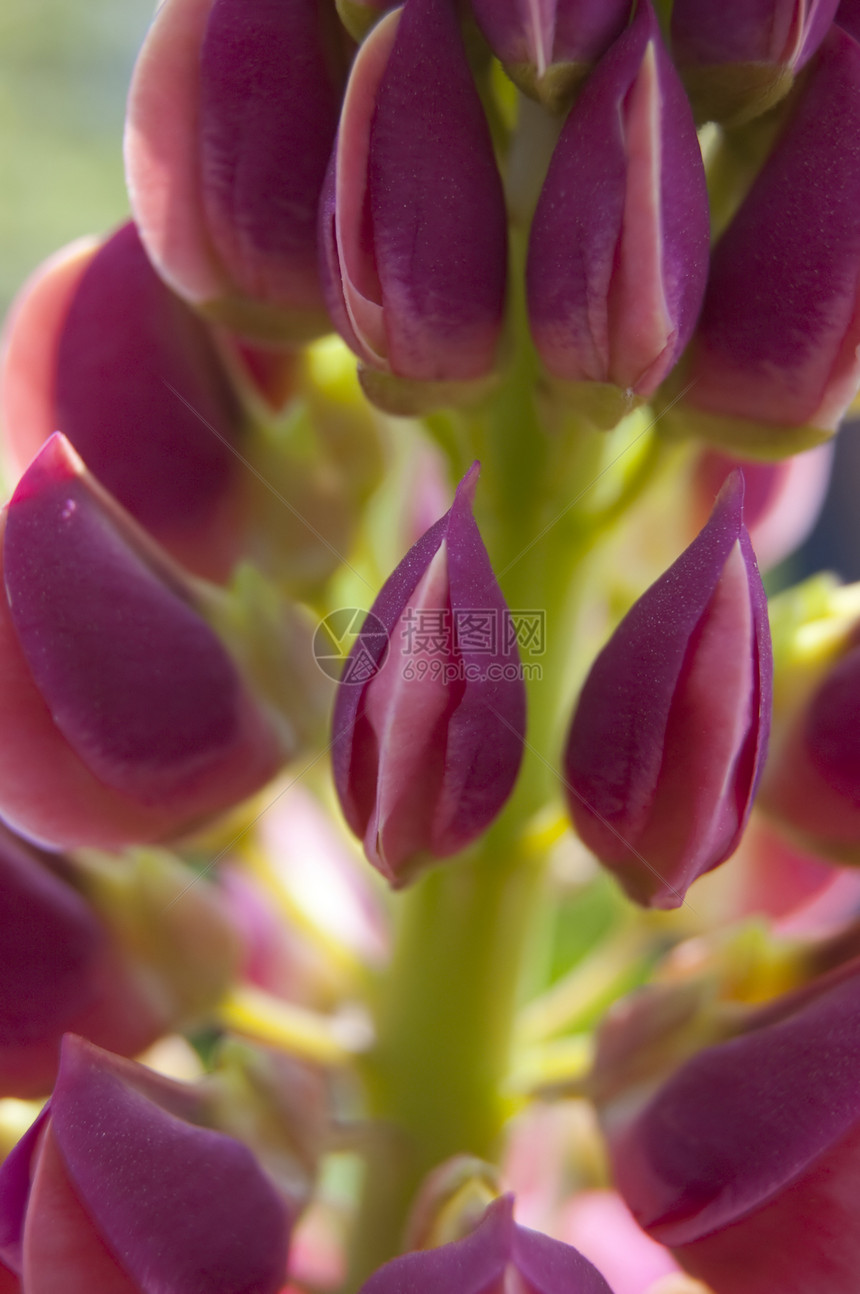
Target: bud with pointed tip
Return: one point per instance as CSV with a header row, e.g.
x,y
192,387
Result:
x,y
745,1163
497,1256
115,1187
618,253
774,364
97,347
412,219
430,712
670,730
740,58
231,116
125,718
547,47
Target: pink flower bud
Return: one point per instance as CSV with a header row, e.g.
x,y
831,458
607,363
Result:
x,y
670,730
619,246
60,970
413,226
548,46
774,361
430,712
98,347
782,500
232,114
746,1162
497,1256
125,719
115,1188
739,58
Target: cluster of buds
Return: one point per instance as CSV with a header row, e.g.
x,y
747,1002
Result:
x,y
534,225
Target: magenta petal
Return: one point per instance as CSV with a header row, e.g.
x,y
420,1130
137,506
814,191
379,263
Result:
x,y
15,1175
134,679
271,82
51,944
618,250
546,1266
180,1207
465,748
750,1138
785,32
671,687
498,1256
474,1265
129,356
778,337
420,298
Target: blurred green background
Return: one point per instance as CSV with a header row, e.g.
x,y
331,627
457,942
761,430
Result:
x,y
64,72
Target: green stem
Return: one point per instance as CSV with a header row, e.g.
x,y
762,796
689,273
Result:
x,y
445,1022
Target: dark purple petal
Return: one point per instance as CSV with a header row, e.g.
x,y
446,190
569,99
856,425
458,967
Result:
x,y
15,1175
651,720
741,1122
271,77
750,31
474,1265
777,340
180,1207
547,1266
129,354
465,728
619,245
135,679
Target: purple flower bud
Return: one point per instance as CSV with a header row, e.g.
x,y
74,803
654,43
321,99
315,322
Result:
x,y
746,1161
670,730
547,47
813,770
232,113
115,1188
774,360
125,719
430,712
413,225
740,57
497,1256
59,971
98,347
619,246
